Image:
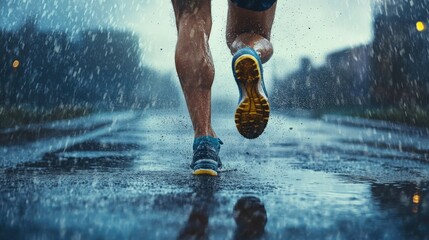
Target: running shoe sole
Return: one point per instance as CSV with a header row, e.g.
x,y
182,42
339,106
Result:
x,y
205,167
253,111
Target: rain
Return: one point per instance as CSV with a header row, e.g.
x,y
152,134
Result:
x,y
96,138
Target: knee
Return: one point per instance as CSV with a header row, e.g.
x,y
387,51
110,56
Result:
x,y
193,35
261,44
193,26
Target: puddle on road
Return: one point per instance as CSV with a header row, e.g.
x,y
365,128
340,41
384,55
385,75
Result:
x,y
316,180
320,205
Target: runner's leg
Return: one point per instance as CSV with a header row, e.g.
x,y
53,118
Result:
x,y
248,37
193,59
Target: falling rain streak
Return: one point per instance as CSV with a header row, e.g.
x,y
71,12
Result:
x,y
95,140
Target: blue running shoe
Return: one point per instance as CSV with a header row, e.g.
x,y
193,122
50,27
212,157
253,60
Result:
x,y
253,111
206,159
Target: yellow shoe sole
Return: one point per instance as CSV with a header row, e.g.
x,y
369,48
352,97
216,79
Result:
x,y
253,111
205,172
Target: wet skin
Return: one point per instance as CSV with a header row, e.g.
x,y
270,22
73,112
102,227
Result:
x,y
194,63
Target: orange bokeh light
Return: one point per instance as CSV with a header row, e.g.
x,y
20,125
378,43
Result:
x,y
416,199
15,64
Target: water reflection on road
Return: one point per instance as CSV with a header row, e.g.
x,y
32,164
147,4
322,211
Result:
x,y
332,178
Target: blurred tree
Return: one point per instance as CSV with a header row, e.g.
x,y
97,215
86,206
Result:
x,y
103,69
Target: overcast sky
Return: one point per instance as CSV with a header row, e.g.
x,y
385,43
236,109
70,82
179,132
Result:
x,y
301,28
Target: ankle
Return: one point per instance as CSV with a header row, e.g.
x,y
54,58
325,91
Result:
x,y
212,141
205,133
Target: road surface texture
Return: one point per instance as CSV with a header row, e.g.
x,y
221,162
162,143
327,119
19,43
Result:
x,y
126,176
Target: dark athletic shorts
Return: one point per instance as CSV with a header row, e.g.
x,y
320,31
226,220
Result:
x,y
254,5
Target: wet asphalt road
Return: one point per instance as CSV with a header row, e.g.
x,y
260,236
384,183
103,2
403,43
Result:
x,y
126,176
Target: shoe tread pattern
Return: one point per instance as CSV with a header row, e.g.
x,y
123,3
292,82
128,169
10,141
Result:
x,y
252,114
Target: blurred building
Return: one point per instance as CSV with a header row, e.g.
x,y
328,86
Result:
x,y
390,71
401,53
351,75
344,80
